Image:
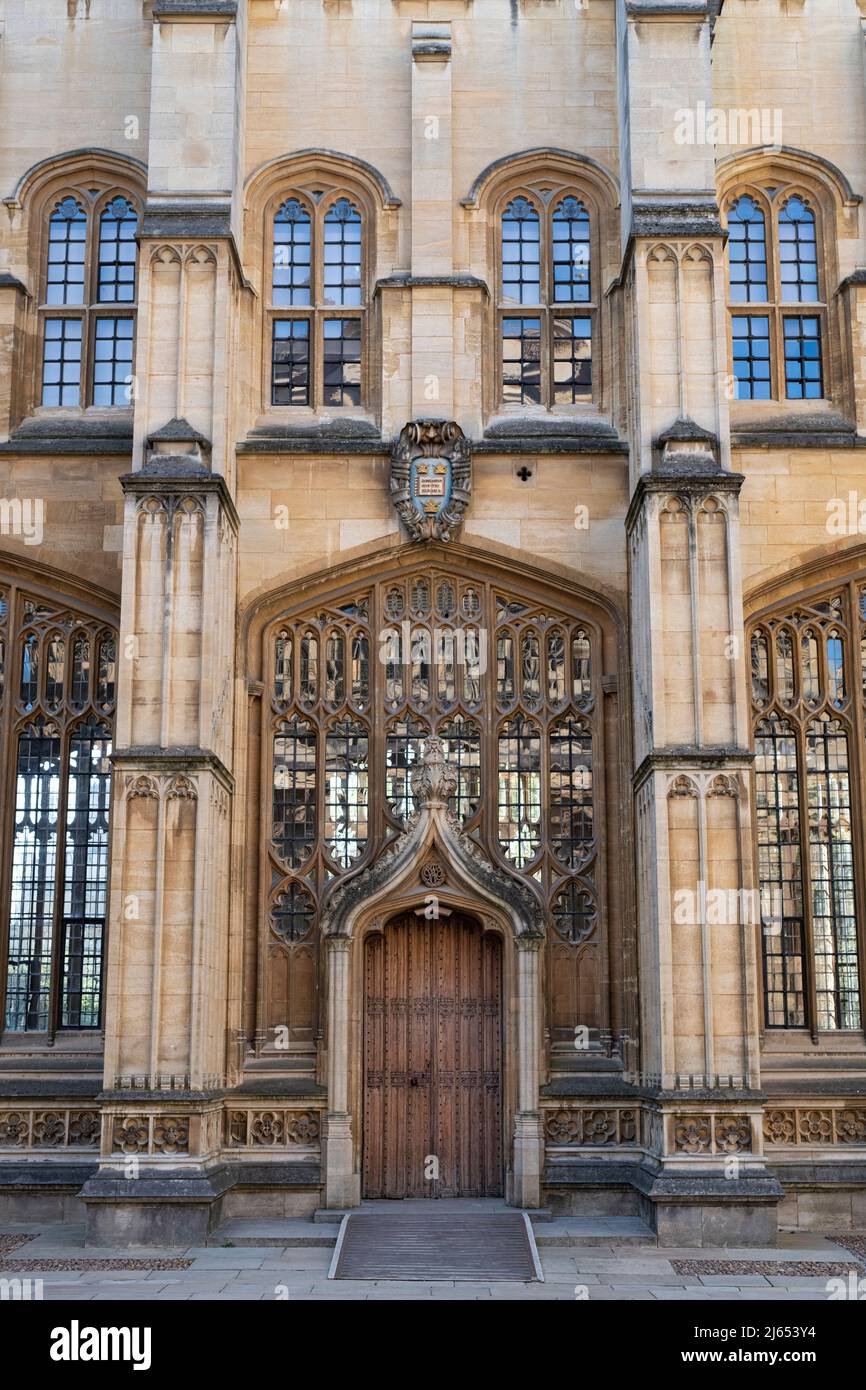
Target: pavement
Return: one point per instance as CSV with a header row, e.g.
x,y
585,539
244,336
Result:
x,y
579,1262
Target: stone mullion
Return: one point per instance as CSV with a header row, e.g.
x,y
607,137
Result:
x,y
811,992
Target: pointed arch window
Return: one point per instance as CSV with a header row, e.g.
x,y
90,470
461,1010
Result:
x,y
56,718
776,295
317,302
547,313
810,753
88,300
356,681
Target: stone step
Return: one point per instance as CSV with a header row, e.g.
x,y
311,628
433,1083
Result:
x,y
296,1231
326,1215
322,1230
599,1230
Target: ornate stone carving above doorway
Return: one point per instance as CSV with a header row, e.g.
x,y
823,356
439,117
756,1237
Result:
x,y
431,478
393,884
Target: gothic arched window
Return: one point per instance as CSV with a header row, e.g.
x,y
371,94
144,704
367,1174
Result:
x,y
88,300
776,295
547,300
317,307
57,699
809,696
356,683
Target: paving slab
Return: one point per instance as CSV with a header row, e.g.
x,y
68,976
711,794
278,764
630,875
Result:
x,y
281,1269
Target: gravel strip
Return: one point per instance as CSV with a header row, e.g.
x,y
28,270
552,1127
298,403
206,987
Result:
x,y
856,1244
8,1243
84,1266
795,1269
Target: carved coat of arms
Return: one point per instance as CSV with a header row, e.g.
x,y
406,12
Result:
x,y
431,478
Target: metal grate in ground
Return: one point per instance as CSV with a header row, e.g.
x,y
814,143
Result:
x,y
419,1245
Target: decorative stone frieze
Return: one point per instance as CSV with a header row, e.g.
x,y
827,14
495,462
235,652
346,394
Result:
x,y
712,1134
795,1126
591,1127
272,1129
54,1128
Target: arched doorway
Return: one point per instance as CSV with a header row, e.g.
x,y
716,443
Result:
x,y
432,1102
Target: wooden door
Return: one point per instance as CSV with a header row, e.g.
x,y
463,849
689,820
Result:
x,y
432,1060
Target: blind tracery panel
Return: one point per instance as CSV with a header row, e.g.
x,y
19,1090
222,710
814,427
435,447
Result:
x,y
356,685
809,745
57,697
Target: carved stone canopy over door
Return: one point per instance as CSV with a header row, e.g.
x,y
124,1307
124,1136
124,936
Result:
x,y
433,838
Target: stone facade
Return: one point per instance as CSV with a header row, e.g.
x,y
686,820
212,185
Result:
x,y
658,512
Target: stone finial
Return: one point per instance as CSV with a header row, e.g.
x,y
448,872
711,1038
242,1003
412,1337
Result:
x,y
434,780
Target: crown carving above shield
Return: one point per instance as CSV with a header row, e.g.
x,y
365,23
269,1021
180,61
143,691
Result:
x,y
431,478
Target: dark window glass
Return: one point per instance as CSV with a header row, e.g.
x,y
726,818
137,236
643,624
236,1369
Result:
x,y
402,752
61,362
521,253
751,345
346,773
780,873
293,914
572,360
570,253
521,361
831,867
571,817
461,744
34,872
747,253
803,371
290,380
342,361
574,914
294,779
292,255
117,253
112,362
86,875
520,790
798,253
67,241
342,255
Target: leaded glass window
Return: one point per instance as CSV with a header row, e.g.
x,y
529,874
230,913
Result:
x,y
317,301
56,715
545,271
571,824
809,756
86,353
346,777
294,782
773,262
520,790
403,748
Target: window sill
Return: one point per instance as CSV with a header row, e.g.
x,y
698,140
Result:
x,y
60,431
791,1064
294,431
549,432
84,1044
791,425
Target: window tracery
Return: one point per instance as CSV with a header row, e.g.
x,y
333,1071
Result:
x,y
809,730
57,699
